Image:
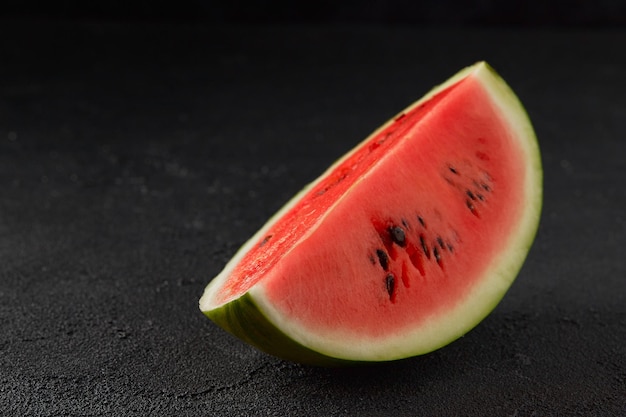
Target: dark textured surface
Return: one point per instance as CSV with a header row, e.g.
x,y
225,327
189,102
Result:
x,y
134,160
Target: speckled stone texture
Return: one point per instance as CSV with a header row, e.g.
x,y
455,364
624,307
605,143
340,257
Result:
x,y
136,158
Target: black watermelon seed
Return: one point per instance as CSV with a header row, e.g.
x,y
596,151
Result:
x,y
397,235
480,197
440,242
470,194
419,218
405,223
438,257
450,247
390,283
265,240
453,170
383,258
471,207
485,187
424,246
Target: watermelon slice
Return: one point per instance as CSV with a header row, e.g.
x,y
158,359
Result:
x,y
404,244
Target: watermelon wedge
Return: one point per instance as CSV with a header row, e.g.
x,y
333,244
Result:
x,y
404,244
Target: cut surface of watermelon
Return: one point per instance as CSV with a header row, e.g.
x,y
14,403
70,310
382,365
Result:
x,y
404,244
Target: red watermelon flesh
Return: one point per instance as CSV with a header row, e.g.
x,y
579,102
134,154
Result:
x,y
405,243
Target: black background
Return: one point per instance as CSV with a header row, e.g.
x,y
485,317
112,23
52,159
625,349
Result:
x,y
142,143
599,13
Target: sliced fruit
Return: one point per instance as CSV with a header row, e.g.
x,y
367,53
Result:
x,y
404,244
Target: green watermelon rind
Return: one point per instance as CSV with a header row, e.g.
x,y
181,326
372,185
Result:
x,y
251,318
243,319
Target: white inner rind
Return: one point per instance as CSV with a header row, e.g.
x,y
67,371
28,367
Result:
x,y
483,297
